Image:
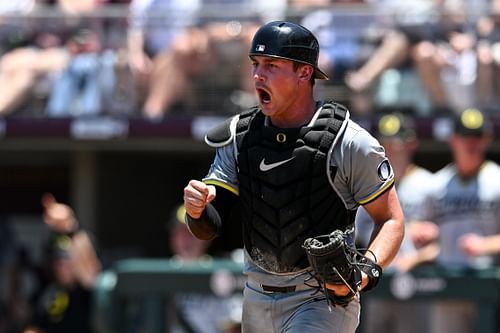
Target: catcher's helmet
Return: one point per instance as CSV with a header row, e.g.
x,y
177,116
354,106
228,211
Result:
x,y
286,40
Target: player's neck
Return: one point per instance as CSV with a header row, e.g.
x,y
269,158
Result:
x,y
298,115
469,170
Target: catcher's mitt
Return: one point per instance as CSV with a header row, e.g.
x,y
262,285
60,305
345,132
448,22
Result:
x,y
334,261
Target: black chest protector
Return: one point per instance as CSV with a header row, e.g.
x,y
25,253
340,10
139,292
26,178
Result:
x,y
284,187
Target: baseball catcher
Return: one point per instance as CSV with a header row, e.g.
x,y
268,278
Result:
x,y
334,261
291,168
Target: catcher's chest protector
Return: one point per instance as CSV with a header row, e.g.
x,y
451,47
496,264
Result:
x,y
284,188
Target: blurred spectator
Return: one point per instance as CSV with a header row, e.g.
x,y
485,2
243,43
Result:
x,y
153,26
25,70
403,64
341,33
22,69
83,87
80,7
63,303
61,219
29,70
183,246
464,203
202,313
346,35
488,48
210,57
410,25
397,134
456,63
14,31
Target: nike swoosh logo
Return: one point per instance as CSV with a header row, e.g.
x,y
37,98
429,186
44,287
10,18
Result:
x,y
266,167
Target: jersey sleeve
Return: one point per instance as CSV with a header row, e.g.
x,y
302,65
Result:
x,y
363,170
223,172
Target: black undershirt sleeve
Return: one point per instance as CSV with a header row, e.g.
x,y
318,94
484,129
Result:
x,y
210,224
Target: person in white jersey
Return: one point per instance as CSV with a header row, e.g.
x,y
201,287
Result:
x,y
397,134
464,203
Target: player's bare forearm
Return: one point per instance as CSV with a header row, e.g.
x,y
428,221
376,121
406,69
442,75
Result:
x,y
386,240
388,231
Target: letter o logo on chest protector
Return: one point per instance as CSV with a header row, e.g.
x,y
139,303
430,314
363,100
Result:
x,y
281,137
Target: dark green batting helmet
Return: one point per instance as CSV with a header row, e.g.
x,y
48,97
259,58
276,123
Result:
x,y
286,40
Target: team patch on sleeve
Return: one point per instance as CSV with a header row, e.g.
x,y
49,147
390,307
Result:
x,y
384,170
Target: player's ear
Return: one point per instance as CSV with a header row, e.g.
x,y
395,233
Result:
x,y
305,72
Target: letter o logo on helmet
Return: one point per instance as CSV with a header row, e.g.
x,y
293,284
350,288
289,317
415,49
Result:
x,y
287,40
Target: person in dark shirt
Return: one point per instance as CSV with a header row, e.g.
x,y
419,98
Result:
x,y
63,303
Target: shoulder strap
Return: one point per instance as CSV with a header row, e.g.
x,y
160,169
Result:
x,y
222,134
331,119
245,119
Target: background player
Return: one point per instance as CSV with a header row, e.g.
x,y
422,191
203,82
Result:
x,y
464,202
396,132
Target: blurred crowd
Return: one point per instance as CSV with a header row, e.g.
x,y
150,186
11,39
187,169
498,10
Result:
x,y
151,58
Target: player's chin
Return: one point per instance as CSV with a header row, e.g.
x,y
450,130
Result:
x,y
267,109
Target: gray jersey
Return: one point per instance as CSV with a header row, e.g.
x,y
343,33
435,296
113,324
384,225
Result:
x,y
363,173
461,206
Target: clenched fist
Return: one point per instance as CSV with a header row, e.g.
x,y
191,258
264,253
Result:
x,y
197,195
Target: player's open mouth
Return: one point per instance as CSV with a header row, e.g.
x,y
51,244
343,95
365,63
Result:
x,y
264,96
